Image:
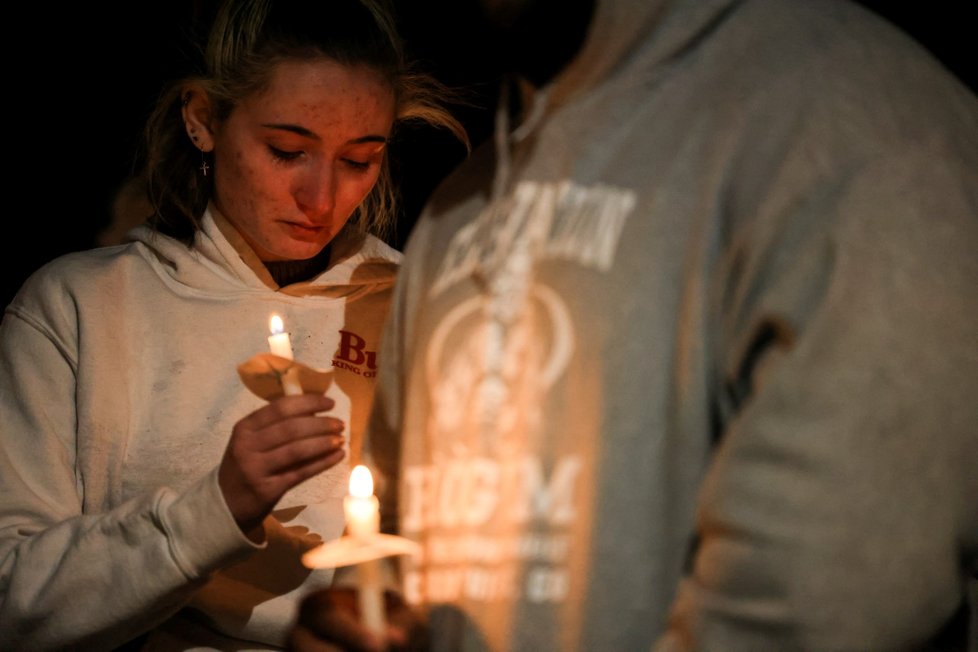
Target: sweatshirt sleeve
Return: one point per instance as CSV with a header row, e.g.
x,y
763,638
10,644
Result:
x,y
839,511
70,579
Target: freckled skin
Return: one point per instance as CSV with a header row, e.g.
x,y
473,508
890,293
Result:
x,y
291,164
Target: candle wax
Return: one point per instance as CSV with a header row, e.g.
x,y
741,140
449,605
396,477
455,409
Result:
x,y
362,522
280,344
362,515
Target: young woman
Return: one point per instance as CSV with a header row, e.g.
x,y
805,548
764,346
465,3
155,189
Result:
x,y
147,497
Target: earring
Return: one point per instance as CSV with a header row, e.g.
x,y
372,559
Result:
x,y
203,163
204,167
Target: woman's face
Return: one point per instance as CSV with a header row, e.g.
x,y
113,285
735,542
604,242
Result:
x,y
293,162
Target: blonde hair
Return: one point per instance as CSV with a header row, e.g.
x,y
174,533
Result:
x,y
247,40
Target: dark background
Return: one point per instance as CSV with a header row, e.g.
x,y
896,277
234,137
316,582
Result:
x,y
83,77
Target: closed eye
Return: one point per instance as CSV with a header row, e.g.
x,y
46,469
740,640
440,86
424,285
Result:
x,y
357,165
283,155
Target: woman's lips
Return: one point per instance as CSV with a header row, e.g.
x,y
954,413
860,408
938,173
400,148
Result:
x,y
304,231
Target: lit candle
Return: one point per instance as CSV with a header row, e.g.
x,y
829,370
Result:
x,y
280,345
278,341
363,522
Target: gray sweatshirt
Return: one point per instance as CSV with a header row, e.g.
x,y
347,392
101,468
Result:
x,y
689,359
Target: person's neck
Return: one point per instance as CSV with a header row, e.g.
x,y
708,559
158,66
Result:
x,y
287,272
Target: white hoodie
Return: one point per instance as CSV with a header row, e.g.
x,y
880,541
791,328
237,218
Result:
x,y
118,391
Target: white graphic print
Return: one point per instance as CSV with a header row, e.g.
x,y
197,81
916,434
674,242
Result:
x,y
495,504
551,220
499,371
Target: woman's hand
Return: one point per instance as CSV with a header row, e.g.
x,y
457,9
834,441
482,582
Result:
x,y
272,450
329,622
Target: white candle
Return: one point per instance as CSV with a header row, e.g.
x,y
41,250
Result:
x,y
279,341
362,522
280,345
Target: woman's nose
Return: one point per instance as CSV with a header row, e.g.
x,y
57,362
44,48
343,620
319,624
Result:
x,y
316,195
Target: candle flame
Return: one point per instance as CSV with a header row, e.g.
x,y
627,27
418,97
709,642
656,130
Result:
x,y
275,325
361,482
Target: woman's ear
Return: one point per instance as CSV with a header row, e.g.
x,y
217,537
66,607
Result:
x,y
197,117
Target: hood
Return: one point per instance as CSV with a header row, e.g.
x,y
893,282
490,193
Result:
x,y
634,36
220,262
628,42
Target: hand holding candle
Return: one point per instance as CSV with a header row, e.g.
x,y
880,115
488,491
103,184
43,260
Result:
x,y
280,344
363,523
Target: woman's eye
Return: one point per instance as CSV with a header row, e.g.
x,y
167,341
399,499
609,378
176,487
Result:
x,y
357,165
283,155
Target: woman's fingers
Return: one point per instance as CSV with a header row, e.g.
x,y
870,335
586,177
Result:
x,y
285,407
330,616
329,619
290,476
275,448
295,430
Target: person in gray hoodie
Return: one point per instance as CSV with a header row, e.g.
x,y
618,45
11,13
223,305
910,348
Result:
x,y
157,489
686,357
